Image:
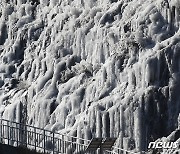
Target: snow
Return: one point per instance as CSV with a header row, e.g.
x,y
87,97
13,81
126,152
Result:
x,y
92,68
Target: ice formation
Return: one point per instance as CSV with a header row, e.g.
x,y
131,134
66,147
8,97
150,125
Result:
x,y
92,68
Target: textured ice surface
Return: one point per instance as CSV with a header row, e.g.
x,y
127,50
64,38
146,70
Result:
x,y
101,68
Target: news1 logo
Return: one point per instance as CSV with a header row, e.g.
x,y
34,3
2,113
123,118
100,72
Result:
x,y
163,145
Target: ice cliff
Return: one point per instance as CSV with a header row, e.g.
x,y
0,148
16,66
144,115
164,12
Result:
x,y
92,68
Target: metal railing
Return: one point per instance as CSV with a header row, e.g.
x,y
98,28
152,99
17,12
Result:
x,y
45,141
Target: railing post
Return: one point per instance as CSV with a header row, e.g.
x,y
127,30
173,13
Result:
x,y
17,135
72,141
63,144
44,134
26,135
35,139
8,131
1,132
21,134
58,146
53,143
101,149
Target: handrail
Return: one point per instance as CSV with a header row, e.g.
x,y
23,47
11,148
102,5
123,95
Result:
x,y
18,134
47,130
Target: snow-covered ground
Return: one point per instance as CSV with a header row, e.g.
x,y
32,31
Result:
x,y
92,68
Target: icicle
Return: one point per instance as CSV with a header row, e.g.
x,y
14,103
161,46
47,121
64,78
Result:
x,y
104,125
137,129
121,119
117,123
111,115
87,133
98,124
79,134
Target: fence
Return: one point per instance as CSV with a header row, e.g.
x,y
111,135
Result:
x,y
45,141
16,134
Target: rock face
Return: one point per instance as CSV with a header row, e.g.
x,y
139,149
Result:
x,y
92,68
